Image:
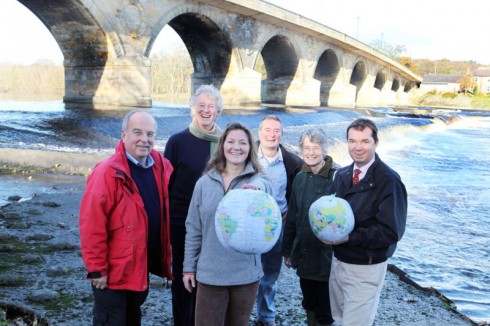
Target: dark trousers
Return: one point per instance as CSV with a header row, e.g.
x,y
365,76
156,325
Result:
x,y
183,302
316,298
225,305
118,307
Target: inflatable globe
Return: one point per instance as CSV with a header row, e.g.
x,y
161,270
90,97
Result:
x,y
331,218
248,221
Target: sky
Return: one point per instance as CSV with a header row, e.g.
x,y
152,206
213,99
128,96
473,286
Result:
x,y
432,29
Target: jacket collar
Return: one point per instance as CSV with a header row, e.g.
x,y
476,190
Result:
x,y
215,174
324,171
120,160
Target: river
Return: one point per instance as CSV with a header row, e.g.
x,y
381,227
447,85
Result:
x,y
445,167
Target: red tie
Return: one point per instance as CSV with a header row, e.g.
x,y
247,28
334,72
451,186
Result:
x,y
355,178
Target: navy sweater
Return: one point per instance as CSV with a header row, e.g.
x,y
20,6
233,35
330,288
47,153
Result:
x,y
145,181
189,156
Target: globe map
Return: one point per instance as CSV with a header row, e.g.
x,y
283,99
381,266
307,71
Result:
x,y
331,218
248,221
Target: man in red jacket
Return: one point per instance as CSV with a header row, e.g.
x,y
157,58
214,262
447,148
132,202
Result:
x,y
124,225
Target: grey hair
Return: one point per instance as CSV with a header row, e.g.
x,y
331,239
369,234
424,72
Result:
x,y
131,113
317,136
211,92
270,117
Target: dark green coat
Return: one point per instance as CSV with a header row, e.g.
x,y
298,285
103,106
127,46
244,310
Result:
x,y
309,256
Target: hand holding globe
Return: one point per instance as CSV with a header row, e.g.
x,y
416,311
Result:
x,y
248,221
331,219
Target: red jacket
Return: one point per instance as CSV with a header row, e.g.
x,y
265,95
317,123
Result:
x,y
113,222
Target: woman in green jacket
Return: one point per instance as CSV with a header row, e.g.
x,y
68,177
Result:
x,y
302,250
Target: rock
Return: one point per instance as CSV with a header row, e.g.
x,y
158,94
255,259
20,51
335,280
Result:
x,y
57,271
32,259
40,237
9,216
50,204
17,316
5,236
43,295
62,246
14,198
6,247
20,225
35,211
9,280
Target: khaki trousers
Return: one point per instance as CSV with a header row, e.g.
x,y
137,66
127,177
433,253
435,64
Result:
x,y
355,292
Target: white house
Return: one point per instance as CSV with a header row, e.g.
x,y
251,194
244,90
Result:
x,y
440,83
482,80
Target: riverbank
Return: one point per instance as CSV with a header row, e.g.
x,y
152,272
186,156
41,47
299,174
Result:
x,y
42,271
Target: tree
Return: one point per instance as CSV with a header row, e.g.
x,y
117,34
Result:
x,y
407,62
393,51
467,84
170,73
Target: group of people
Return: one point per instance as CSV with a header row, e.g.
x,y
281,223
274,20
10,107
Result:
x,y
143,212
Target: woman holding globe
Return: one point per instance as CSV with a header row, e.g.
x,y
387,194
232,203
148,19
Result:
x,y
226,280
302,250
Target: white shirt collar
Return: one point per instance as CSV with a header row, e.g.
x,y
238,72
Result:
x,y
149,161
364,168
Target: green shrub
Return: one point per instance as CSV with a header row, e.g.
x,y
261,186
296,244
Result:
x,y
449,95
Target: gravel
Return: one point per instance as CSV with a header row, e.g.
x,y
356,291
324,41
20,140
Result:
x,y
39,254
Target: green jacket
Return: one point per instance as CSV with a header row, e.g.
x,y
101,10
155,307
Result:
x,y
309,256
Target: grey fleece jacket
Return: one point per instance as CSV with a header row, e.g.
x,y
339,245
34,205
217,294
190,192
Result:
x,y
204,254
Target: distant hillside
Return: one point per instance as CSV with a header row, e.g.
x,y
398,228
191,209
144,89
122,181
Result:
x,y
445,67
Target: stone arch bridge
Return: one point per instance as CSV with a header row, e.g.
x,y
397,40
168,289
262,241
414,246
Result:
x,y
106,46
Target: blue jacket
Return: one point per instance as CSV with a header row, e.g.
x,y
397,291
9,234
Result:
x,y
379,203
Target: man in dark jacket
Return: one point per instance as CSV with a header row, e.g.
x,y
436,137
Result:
x,y
379,201
281,166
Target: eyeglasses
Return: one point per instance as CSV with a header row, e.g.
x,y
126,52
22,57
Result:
x,y
314,149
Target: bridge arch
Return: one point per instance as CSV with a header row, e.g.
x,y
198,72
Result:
x,y
327,71
75,29
209,47
396,84
380,80
408,86
281,64
358,76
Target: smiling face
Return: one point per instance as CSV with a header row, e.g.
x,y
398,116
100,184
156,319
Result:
x,y
139,136
312,153
204,111
270,134
362,146
236,147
